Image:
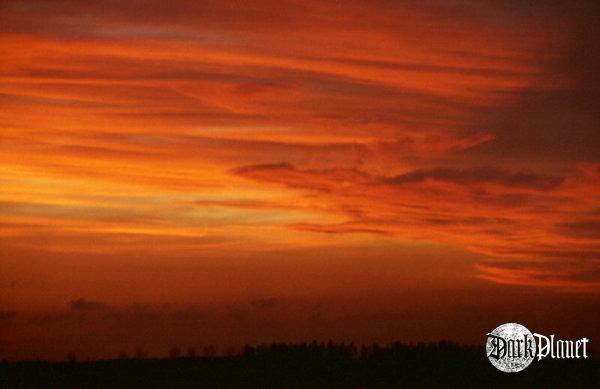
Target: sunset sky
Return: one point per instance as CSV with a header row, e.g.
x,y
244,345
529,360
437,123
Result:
x,y
227,172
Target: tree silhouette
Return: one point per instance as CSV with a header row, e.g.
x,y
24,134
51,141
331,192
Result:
x,y
174,352
139,353
209,351
443,364
71,357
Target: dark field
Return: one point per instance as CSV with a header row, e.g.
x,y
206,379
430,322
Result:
x,y
307,365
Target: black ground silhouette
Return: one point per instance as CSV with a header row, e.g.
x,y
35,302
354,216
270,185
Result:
x,y
441,364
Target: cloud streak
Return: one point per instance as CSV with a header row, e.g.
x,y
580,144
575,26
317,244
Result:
x,y
498,213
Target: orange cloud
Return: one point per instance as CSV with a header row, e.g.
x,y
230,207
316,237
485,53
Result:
x,y
498,213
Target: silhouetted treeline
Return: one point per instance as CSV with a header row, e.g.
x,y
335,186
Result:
x,y
441,364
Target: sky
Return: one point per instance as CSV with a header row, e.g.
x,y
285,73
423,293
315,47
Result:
x,y
226,172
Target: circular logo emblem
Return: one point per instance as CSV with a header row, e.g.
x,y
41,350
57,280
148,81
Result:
x,y
510,347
